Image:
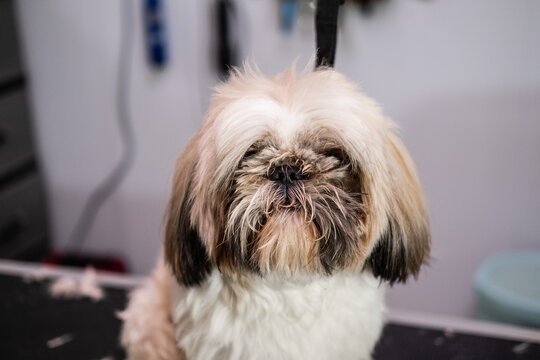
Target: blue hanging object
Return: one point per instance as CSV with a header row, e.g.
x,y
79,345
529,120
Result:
x,y
156,39
289,13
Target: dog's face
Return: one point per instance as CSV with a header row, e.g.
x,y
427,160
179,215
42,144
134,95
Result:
x,y
295,174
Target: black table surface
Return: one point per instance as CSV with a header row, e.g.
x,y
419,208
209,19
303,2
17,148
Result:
x,y
30,317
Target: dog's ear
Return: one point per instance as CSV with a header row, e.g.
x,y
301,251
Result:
x,y
184,250
405,241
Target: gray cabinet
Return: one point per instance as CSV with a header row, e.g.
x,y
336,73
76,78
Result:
x,y
10,61
23,220
16,148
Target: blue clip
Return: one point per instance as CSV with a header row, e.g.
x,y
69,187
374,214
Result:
x,y
156,40
289,13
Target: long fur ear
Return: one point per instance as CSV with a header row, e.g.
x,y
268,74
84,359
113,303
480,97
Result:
x,y
405,244
184,250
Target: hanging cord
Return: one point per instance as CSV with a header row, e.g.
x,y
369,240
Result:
x,y
104,190
326,18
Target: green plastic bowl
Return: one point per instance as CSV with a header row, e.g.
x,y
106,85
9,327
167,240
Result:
x,y
508,288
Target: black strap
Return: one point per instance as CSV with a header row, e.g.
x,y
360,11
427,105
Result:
x,y
226,54
326,27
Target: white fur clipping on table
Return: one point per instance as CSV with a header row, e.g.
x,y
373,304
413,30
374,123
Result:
x,y
69,288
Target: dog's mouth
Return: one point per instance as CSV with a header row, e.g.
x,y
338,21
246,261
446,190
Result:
x,y
290,198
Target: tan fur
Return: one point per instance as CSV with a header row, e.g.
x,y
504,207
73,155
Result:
x,y
408,202
182,176
287,245
148,331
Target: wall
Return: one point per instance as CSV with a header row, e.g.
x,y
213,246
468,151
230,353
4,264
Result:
x,y
461,78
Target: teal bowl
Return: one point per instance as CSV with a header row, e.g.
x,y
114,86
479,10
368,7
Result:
x,y
507,288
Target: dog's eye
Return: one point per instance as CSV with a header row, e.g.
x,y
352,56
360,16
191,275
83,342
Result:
x,y
335,153
253,150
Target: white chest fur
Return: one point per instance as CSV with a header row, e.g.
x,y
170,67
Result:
x,y
336,317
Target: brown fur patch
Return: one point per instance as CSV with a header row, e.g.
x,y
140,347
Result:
x,y
184,250
405,244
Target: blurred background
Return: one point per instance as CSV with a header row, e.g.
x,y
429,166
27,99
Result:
x,y
81,82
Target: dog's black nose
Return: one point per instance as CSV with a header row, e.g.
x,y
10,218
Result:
x,y
286,174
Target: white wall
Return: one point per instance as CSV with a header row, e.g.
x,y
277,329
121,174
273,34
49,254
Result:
x,y
72,54
460,77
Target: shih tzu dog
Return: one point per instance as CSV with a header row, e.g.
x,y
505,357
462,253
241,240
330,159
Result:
x,y
289,207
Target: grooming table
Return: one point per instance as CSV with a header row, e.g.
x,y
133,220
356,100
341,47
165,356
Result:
x,y
33,325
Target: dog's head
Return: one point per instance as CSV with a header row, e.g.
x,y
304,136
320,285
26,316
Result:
x,y
295,174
